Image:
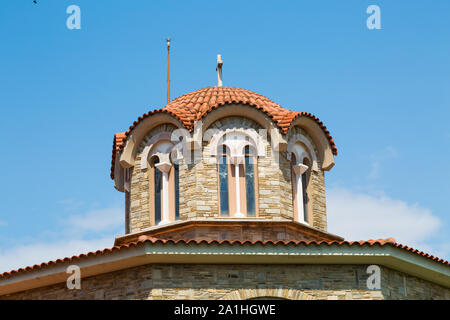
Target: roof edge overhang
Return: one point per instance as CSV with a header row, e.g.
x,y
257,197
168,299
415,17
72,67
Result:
x,y
227,222
148,252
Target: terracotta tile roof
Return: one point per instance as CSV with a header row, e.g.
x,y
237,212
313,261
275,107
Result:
x,y
147,239
189,229
195,105
118,143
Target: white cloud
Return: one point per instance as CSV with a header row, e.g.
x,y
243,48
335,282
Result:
x,y
353,215
35,253
359,216
90,231
97,220
377,159
3,223
71,204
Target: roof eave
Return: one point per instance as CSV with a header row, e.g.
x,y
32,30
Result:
x,y
202,253
227,222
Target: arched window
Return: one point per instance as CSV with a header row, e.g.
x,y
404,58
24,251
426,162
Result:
x,y
305,184
223,183
176,191
164,184
300,165
126,184
157,191
237,178
250,169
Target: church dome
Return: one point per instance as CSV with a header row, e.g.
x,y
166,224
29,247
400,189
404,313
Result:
x,y
193,106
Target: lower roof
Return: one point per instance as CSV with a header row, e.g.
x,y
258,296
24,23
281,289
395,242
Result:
x,y
148,250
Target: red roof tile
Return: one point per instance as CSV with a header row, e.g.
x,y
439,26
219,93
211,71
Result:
x,y
147,239
118,143
195,105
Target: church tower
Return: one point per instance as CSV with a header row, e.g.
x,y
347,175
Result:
x,y
224,163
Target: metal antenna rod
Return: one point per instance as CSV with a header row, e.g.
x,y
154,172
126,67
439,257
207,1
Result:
x,y
168,70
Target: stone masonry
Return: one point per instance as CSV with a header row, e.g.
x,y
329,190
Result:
x,y
199,185
181,281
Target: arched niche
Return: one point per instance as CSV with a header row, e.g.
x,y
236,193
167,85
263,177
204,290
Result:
x,y
128,155
299,144
267,293
244,111
319,138
236,139
153,146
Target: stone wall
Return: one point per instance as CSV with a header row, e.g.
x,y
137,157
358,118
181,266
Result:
x,y
139,210
239,233
181,281
199,186
316,191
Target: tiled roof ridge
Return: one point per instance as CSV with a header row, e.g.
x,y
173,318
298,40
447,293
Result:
x,y
144,239
188,122
195,105
226,88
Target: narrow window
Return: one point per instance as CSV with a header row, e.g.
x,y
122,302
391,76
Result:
x,y
223,183
294,186
127,212
177,191
305,179
305,198
300,179
158,186
250,183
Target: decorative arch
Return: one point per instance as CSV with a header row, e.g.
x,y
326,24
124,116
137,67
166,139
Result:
x,y
301,166
235,150
300,153
224,137
244,111
283,293
319,138
293,141
152,144
163,178
135,137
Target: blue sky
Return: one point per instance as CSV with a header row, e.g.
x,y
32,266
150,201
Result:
x,y
383,94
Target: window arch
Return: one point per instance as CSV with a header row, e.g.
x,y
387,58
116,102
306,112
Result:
x,y
301,174
164,184
237,176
